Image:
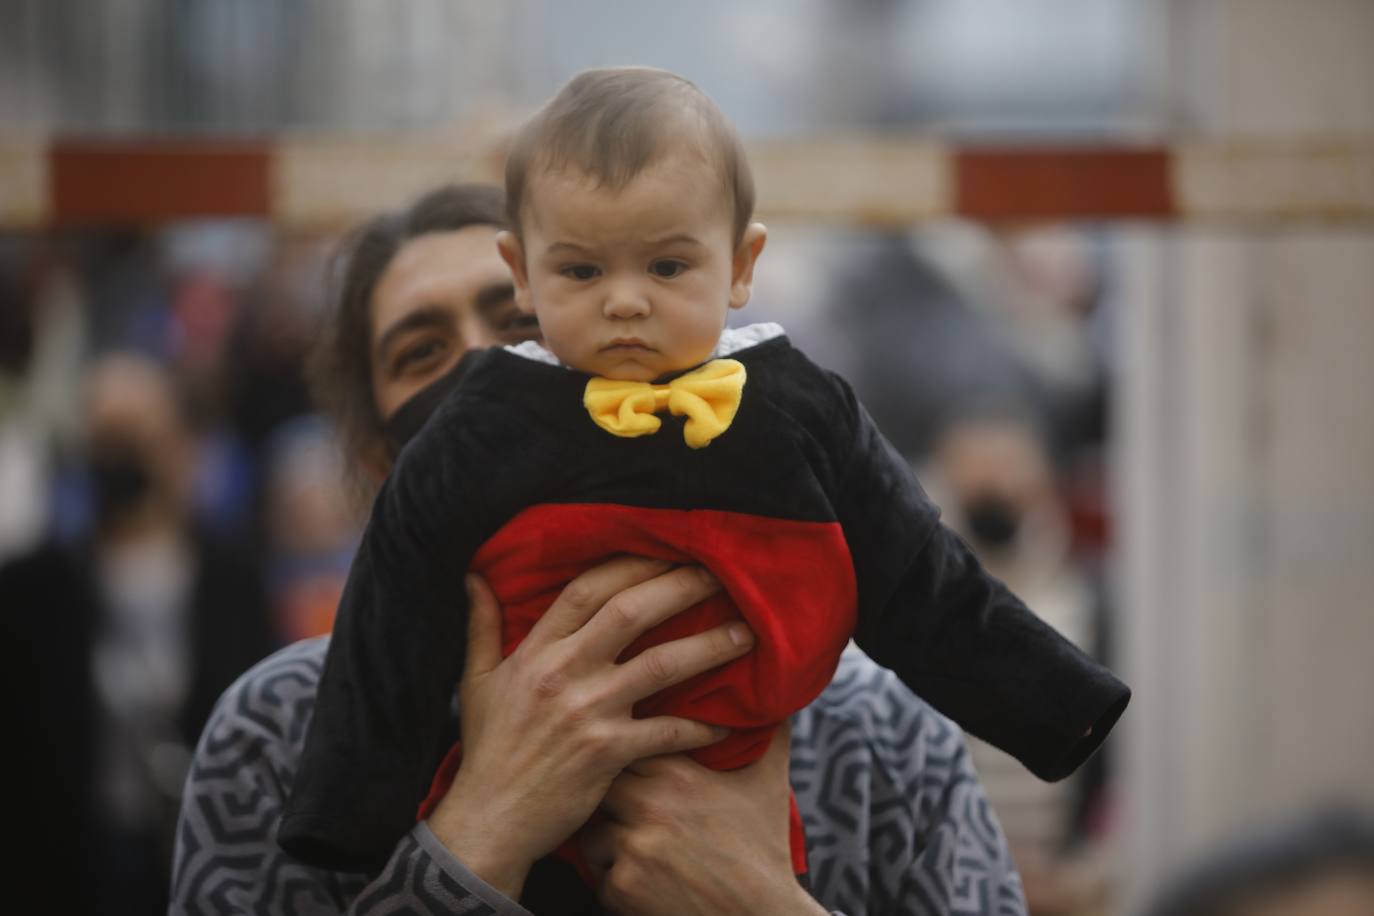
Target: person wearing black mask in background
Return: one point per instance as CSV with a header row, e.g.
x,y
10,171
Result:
x,y
990,468
120,643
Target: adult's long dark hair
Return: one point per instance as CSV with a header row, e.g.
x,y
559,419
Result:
x,y
340,365
340,373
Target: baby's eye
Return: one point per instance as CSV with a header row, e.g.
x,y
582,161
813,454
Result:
x,y
580,271
667,269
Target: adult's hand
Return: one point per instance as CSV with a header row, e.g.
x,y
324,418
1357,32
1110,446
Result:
x,y
546,730
679,838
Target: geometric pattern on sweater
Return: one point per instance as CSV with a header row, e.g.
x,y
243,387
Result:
x,y
896,821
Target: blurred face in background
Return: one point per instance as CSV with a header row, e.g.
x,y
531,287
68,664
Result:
x,y
443,294
999,478
139,452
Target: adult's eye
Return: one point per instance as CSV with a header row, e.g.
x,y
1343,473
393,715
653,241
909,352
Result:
x,y
667,269
519,327
418,355
581,272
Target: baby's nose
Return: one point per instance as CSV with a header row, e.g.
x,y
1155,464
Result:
x,y
626,300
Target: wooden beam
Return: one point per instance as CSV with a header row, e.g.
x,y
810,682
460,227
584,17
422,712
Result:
x,y
1039,183
146,181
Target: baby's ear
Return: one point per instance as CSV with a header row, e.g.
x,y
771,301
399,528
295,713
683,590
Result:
x,y
513,253
742,269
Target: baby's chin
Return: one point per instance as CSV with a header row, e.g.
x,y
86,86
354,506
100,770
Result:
x,y
626,369
626,366
630,364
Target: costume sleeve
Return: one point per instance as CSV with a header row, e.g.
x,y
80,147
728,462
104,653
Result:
x,y
227,859
956,635
896,820
395,658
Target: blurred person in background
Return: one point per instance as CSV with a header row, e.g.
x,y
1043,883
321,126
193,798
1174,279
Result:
x,y
312,531
1044,291
895,817
267,346
1320,863
22,475
980,353
42,339
919,346
991,471
121,641
234,331
956,315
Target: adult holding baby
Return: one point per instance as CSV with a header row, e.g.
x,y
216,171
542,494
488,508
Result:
x,y
632,237
420,288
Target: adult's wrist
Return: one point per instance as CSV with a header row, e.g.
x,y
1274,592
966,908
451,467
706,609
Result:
x,y
796,902
486,851
754,894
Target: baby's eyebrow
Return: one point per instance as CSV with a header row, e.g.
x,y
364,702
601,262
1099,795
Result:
x,y
677,238
565,247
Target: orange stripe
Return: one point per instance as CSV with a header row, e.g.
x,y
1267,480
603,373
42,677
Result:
x,y
1062,183
149,181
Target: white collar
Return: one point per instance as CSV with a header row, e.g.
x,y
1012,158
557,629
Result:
x,y
732,340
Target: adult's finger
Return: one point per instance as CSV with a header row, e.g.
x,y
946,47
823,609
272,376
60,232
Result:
x,y
778,758
585,595
597,842
484,627
668,735
670,662
635,610
642,781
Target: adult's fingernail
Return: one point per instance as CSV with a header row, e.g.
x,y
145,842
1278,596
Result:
x,y
740,635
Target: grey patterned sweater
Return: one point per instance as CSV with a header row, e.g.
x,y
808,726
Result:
x,y
896,821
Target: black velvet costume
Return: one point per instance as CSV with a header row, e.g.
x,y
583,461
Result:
x,y
800,497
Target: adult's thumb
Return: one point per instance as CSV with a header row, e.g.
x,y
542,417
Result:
x,y
778,755
484,626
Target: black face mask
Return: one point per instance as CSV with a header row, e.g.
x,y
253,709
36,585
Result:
x,y
120,481
411,416
992,521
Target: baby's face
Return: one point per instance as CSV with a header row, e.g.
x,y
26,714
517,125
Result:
x,y
635,283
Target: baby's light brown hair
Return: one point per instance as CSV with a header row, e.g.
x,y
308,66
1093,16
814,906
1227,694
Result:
x,y
614,122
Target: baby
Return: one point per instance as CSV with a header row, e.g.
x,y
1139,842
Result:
x,y
642,426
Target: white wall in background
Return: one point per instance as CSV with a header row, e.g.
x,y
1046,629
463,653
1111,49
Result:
x,y
1246,459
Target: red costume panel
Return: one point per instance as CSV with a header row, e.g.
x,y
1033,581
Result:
x,y
801,622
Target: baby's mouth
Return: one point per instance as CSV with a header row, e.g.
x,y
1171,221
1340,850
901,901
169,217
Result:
x,y
627,343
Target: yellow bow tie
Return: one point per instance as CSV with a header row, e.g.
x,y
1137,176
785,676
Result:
x,y
709,396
